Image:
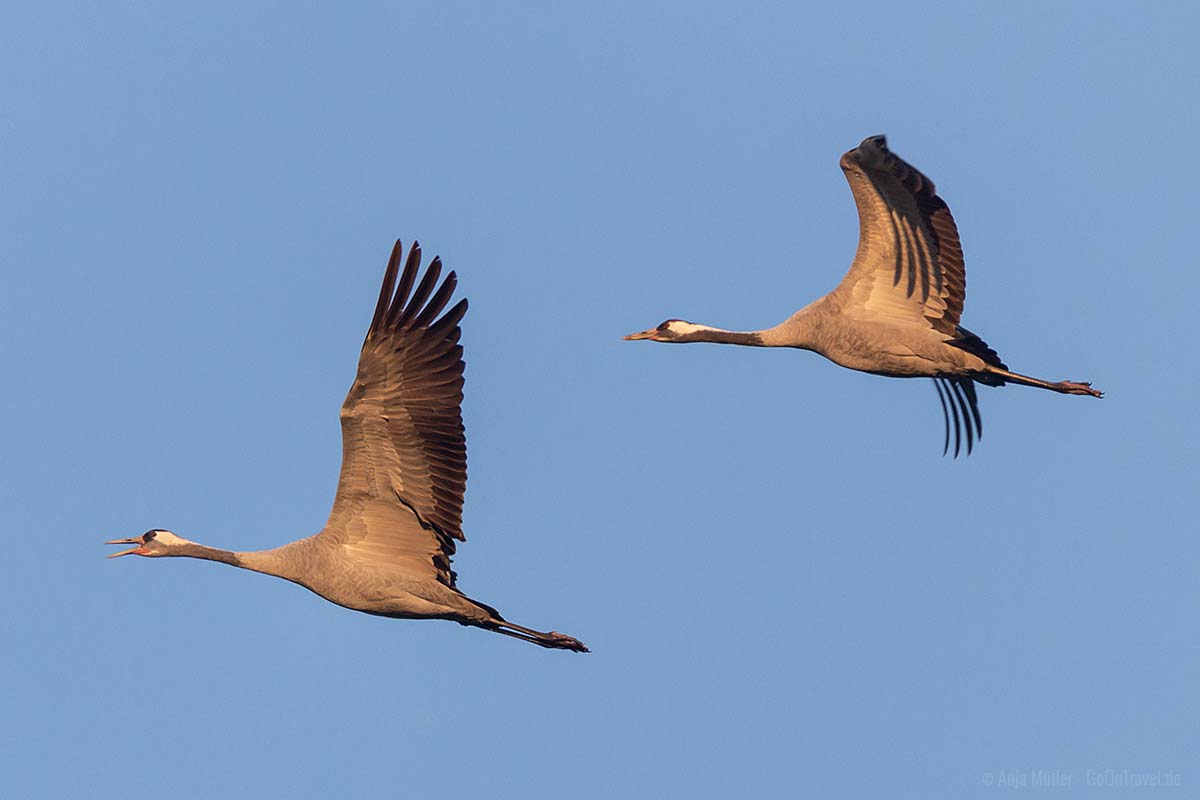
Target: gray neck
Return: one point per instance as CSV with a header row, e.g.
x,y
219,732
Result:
x,y
806,329
269,562
706,334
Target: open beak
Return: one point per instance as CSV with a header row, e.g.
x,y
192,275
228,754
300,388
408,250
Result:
x,y
633,337
133,550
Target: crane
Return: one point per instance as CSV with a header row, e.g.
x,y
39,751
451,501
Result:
x,y
896,312
387,546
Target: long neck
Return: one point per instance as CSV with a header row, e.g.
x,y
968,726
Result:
x,y
280,562
804,330
704,333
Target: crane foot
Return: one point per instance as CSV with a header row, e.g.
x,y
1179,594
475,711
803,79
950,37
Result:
x,y
1078,387
567,642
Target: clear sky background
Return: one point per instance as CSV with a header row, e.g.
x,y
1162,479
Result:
x,y
789,592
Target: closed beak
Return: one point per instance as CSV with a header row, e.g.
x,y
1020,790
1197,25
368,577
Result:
x,y
633,337
136,540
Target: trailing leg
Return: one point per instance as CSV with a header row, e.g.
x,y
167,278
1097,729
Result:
x,y
551,639
1065,387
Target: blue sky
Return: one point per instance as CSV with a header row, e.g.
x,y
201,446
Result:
x,y
788,590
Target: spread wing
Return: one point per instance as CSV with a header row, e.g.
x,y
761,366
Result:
x,y
404,452
909,264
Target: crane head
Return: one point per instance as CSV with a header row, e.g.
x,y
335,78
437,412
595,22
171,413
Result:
x,y
153,543
673,330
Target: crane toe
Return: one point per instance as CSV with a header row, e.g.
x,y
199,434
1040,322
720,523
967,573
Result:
x,y
1080,387
568,642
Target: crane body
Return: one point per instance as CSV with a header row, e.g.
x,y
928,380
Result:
x,y
397,514
896,313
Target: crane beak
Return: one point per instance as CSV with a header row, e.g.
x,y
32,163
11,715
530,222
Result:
x,y
633,337
131,551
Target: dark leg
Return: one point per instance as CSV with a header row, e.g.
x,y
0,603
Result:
x,y
1065,387
551,639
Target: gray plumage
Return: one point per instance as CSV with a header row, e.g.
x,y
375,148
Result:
x,y
397,514
896,313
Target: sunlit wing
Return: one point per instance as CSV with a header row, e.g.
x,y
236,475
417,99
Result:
x,y
909,270
404,453
909,264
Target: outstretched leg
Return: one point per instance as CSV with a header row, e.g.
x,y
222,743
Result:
x,y
1065,387
551,639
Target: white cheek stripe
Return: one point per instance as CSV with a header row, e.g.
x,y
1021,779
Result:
x,y
687,327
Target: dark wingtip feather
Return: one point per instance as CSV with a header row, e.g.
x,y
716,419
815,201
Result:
x,y
961,398
451,318
437,302
411,265
957,426
385,291
873,153
960,401
969,388
422,292
937,384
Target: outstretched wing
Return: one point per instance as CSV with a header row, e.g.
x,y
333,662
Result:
x,y
909,264
404,452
